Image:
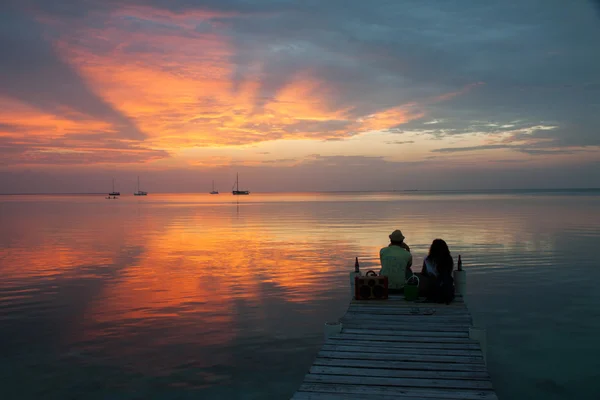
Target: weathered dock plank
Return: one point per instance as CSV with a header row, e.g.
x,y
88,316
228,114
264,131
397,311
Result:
x,y
399,373
394,349
394,332
391,392
403,382
416,365
398,356
396,325
411,345
375,335
346,396
408,350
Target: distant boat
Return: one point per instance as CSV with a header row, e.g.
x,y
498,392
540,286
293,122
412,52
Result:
x,y
113,193
237,190
213,191
140,192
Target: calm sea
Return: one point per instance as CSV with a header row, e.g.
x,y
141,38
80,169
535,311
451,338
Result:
x,y
222,297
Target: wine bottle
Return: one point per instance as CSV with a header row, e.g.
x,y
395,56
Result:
x,y
353,275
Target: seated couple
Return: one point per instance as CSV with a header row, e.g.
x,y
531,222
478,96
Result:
x,y
435,279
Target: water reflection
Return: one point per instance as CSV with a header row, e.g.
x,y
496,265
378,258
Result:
x,y
191,292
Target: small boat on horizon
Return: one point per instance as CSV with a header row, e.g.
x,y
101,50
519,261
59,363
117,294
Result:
x,y
213,191
113,193
237,190
139,192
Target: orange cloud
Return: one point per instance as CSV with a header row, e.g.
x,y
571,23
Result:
x,y
17,118
448,96
389,118
176,83
32,136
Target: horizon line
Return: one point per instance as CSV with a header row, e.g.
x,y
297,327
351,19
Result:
x,y
317,191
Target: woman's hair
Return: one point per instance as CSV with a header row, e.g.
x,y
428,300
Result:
x,y
439,253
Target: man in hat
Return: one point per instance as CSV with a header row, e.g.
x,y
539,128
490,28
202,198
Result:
x,y
396,261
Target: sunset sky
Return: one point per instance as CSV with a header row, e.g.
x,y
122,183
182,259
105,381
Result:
x,y
298,95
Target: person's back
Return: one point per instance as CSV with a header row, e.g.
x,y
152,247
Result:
x,y
438,267
396,261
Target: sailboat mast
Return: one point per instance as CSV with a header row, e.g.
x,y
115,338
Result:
x,y
113,185
237,181
138,183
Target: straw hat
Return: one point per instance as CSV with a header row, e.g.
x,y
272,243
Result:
x,y
397,236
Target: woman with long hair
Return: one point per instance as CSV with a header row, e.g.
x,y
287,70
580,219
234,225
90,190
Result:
x,y
437,267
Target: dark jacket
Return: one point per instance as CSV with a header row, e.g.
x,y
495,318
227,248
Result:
x,y
441,288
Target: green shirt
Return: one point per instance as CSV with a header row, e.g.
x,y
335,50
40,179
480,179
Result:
x,y
395,264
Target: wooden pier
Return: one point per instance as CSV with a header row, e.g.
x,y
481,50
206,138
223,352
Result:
x,y
395,349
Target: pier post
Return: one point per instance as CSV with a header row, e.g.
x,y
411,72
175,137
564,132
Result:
x,y
460,279
332,328
353,274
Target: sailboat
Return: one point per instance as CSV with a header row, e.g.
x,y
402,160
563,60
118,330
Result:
x,y
237,190
213,191
113,193
140,192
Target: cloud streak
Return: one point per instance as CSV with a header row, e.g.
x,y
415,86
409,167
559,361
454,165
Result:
x,y
521,148
34,73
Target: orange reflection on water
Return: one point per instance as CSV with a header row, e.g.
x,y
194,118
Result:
x,y
206,262
132,265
